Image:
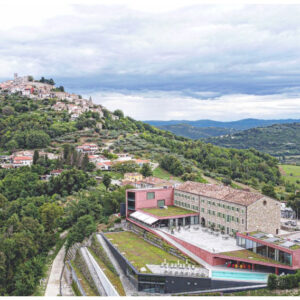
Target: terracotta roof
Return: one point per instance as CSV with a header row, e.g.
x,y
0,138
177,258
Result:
x,y
22,158
132,174
56,171
220,192
155,181
142,161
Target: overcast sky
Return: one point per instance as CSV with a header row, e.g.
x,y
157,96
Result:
x,y
161,61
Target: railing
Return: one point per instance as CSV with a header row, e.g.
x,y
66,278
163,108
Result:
x,y
75,278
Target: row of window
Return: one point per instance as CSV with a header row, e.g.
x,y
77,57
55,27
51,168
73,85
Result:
x,y
186,205
209,202
184,196
228,218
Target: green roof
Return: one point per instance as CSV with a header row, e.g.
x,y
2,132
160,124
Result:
x,y
168,212
249,255
139,252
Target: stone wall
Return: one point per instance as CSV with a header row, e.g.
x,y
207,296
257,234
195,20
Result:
x,y
264,215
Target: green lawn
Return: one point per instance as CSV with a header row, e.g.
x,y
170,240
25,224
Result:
x,y
139,252
291,173
161,173
170,211
246,254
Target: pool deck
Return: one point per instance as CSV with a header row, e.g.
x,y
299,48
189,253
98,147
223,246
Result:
x,y
205,240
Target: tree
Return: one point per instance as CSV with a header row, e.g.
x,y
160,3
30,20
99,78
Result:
x,y
84,227
30,78
85,162
12,145
37,139
269,191
50,212
272,282
146,170
106,180
35,157
119,113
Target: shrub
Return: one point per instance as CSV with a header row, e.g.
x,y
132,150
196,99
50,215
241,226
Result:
x,y
272,282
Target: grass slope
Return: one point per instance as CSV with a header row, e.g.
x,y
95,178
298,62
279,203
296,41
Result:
x,y
139,252
291,174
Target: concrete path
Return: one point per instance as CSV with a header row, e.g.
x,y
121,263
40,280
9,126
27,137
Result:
x,y
56,270
127,285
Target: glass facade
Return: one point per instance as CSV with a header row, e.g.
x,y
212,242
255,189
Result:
x,y
131,200
266,251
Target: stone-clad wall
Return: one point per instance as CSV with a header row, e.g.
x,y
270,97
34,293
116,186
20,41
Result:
x,y
264,215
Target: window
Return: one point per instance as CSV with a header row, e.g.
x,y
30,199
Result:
x,y
232,208
242,221
223,205
160,203
202,210
213,203
237,209
237,220
208,202
150,195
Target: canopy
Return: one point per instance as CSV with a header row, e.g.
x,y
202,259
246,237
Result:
x,y
143,217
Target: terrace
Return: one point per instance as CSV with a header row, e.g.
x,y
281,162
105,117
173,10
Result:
x,y
170,211
275,240
203,238
139,252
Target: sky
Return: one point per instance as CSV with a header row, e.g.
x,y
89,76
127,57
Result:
x,y
161,60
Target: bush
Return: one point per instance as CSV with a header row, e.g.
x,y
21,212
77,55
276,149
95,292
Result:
x,y
272,282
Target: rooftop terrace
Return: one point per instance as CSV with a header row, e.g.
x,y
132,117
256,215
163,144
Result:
x,y
275,240
139,252
201,238
168,212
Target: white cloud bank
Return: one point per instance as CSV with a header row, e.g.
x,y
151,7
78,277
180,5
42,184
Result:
x,y
175,106
166,47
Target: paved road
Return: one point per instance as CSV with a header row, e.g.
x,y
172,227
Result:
x,y
54,278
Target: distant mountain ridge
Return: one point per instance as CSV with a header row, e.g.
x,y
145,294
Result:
x,y
196,133
238,125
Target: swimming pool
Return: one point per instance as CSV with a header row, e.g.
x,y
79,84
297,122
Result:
x,y
247,276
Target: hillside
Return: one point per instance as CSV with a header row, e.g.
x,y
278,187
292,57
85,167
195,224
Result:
x,y
237,125
61,190
196,133
280,140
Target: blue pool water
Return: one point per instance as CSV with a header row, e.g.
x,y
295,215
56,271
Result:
x,y
263,277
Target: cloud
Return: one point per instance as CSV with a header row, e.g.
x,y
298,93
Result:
x,y
157,105
194,50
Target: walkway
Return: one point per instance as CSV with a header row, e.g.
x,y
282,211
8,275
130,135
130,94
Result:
x,y
56,270
183,249
127,285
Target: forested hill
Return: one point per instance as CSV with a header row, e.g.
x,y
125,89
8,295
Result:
x,y
196,133
237,125
28,124
281,140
